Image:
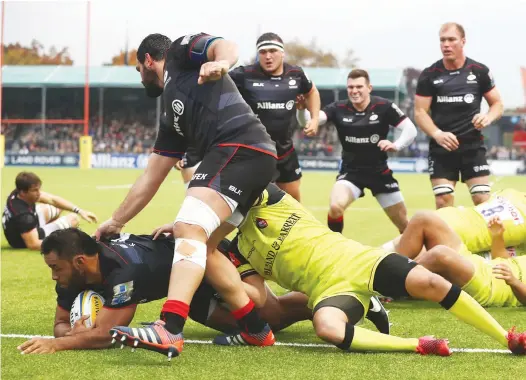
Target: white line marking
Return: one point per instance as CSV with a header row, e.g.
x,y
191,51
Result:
x,y
284,344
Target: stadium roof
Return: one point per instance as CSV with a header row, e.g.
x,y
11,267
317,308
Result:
x,y
127,76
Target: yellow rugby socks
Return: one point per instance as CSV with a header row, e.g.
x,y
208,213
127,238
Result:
x,y
360,339
465,308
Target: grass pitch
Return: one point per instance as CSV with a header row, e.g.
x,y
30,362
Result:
x,y
28,301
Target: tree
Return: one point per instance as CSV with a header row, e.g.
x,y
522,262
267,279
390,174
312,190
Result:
x,y
311,55
16,54
119,59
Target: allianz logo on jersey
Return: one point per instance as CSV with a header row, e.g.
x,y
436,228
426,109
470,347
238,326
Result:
x,y
275,106
468,98
362,140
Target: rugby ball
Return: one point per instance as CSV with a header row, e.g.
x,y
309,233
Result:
x,y
88,303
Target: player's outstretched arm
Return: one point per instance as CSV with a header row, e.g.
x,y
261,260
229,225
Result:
x,y
503,271
140,194
496,231
64,204
93,338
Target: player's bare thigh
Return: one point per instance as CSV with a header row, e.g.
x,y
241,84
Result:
x,y
425,230
448,263
478,198
292,188
443,200
343,193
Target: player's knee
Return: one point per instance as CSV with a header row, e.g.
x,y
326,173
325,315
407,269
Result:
x,y
422,218
336,209
195,218
73,220
444,200
435,258
325,329
480,193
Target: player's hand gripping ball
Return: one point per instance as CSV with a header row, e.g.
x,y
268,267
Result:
x,y
88,303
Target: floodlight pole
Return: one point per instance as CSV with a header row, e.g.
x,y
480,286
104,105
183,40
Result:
x,y
86,83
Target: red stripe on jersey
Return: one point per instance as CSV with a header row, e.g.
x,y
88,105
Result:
x,y
111,249
222,167
286,153
250,147
292,70
193,44
435,69
345,106
386,171
474,65
377,104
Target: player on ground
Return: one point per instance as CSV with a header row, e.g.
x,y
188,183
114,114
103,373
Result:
x,y
501,281
363,123
31,214
452,89
470,223
127,270
270,87
202,109
281,241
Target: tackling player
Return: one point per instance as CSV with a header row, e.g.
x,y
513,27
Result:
x,y
363,123
202,109
280,240
452,89
501,281
270,87
128,270
31,214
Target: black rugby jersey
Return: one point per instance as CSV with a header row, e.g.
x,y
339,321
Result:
x,y
206,115
272,98
135,269
19,217
360,132
457,95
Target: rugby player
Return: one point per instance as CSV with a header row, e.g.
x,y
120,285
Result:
x,y
127,270
363,123
501,281
202,109
280,240
452,89
31,214
270,87
470,223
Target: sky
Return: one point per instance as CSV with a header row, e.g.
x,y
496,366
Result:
x,y
383,33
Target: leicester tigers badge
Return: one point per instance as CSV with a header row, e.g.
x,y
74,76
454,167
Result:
x,y
261,223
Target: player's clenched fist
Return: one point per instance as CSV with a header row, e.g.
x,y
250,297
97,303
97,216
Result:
x,y
211,71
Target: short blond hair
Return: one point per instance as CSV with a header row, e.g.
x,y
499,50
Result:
x,y
456,25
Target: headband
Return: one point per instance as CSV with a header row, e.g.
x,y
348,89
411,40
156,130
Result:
x,y
270,44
